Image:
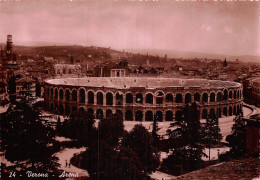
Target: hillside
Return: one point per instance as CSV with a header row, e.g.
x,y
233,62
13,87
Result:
x,y
189,54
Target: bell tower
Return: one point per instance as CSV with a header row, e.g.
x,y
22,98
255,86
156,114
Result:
x,y
9,48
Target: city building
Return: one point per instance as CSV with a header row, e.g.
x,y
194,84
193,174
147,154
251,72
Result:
x,y
112,69
68,70
256,91
8,66
25,86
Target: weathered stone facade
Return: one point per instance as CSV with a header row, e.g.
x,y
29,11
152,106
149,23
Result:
x,y
141,99
256,91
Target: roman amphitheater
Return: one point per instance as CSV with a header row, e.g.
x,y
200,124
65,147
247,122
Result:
x,y
141,99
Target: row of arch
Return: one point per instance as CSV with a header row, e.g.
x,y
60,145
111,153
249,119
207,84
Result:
x,y
148,115
149,98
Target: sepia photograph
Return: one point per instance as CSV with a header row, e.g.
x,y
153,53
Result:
x,y
130,89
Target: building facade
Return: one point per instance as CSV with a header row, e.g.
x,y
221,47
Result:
x,y
256,91
142,99
112,69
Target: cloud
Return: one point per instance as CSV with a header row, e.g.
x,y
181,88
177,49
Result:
x,y
206,28
228,30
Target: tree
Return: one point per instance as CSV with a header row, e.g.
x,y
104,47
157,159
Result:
x,y
211,132
106,162
183,159
106,157
184,143
156,139
23,131
187,130
237,140
140,141
80,127
111,129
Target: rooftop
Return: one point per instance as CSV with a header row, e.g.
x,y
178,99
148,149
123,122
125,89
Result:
x,y
257,80
152,83
246,168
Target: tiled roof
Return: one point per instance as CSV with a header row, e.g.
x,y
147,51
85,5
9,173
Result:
x,y
242,169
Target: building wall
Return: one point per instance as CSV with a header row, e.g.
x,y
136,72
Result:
x,y
256,91
163,103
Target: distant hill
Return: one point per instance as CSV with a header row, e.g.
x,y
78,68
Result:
x,y
59,50
62,49
189,54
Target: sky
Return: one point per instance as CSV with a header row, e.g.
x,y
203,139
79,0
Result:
x,y
230,28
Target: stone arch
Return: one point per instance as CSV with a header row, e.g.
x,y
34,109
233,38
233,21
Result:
x,y
119,112
67,95
108,113
74,95
99,113
219,114
74,110
61,94
119,98
178,98
230,94
225,96
238,94
212,112
187,98
67,110
82,96
139,98
129,115
212,97
56,110
169,116
159,97
51,92
129,98
138,115
148,115
109,98
238,110
61,109
219,97
169,98
178,115
149,98
234,110
100,98
205,97
47,92
159,116
225,113
230,111
204,114
197,97
82,110
56,93
90,97
91,111
235,94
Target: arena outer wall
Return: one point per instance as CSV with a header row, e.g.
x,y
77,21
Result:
x,y
141,99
